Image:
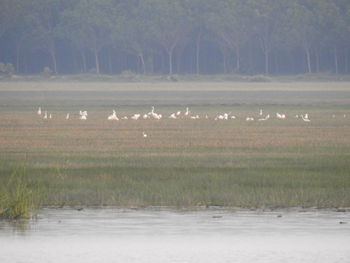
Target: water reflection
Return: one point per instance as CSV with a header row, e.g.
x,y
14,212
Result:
x,y
167,235
16,226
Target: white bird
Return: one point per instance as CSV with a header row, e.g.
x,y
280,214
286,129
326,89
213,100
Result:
x,y
265,118
195,117
50,116
136,116
124,118
151,112
305,117
67,116
249,119
219,117
187,111
233,117
39,111
113,116
83,115
157,116
280,116
261,112
178,113
145,116
172,116
144,134
45,115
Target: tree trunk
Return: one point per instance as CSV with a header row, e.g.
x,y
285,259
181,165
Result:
x,y
170,56
336,65
143,65
17,57
83,59
198,42
53,57
317,54
267,70
308,60
97,61
347,60
238,60
110,68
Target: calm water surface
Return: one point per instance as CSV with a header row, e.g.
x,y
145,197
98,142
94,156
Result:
x,y
165,235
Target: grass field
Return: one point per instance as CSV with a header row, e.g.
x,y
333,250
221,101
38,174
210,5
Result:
x,y
183,162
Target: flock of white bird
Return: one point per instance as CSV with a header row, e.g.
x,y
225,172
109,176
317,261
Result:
x,y
178,114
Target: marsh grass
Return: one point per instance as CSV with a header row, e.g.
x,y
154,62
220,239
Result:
x,y
182,162
20,195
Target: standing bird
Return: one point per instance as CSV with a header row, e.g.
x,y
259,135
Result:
x,y
136,116
83,115
144,134
67,116
280,116
305,117
113,116
39,111
45,115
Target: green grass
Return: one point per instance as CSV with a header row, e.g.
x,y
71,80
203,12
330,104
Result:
x,y
182,162
20,195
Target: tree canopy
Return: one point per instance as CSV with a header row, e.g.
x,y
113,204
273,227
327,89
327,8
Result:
x,y
176,36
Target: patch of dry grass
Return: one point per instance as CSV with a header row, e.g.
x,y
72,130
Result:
x,y
181,162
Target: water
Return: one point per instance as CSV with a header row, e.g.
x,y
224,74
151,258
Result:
x,y
165,235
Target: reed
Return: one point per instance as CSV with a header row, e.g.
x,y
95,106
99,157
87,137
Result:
x,y
183,162
20,196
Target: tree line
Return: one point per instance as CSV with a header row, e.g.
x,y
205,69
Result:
x,y
176,36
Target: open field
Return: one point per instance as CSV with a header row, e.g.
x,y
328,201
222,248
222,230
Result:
x,y
182,162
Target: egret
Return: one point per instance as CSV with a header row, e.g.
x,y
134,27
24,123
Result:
x,y
39,111
83,115
67,116
172,116
187,111
136,116
265,119
280,116
305,118
113,116
45,115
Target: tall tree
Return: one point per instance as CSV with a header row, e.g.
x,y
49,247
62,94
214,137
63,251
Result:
x,y
88,26
232,24
169,24
267,14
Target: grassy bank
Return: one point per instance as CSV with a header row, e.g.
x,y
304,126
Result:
x,y
20,195
183,162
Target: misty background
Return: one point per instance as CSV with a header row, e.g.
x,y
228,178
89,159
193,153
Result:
x,y
175,36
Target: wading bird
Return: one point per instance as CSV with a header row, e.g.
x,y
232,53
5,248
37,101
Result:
x,y
280,116
113,116
39,111
136,116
